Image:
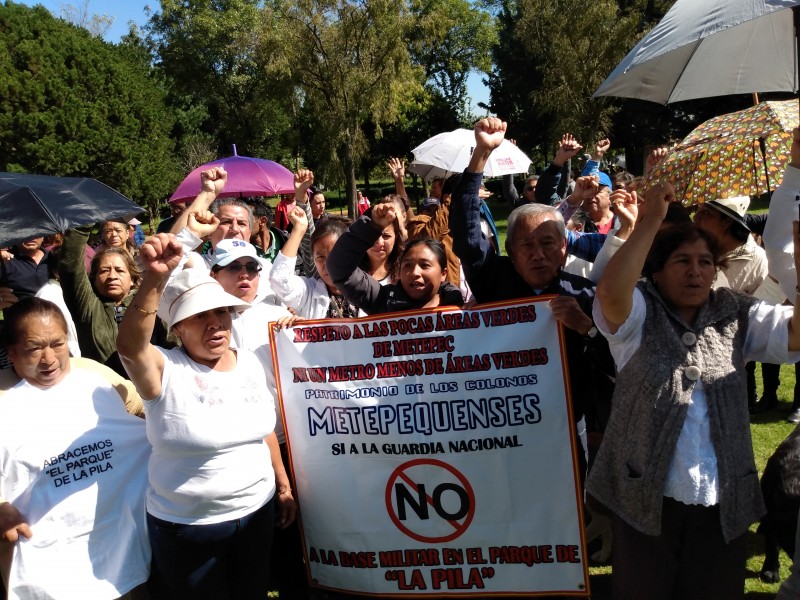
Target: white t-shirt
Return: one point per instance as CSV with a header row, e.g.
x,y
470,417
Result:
x,y
250,330
210,462
72,461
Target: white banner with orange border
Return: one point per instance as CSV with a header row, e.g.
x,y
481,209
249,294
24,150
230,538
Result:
x,y
434,452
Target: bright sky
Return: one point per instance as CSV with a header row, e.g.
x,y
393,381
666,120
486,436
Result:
x,y
124,11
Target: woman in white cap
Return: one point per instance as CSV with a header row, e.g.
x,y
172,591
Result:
x,y
238,270
216,481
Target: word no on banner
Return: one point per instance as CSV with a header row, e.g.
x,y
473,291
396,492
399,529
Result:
x,y
434,452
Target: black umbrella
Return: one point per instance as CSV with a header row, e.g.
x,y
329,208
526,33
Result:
x,y
38,205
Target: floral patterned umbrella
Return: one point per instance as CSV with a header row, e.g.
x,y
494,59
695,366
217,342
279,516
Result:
x,y
738,154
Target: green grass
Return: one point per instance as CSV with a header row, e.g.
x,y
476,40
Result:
x,y
768,431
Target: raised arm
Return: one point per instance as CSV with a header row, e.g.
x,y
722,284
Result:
x,y
290,288
299,221
655,156
615,288
83,303
465,224
212,183
356,284
397,168
592,166
144,364
303,179
626,210
550,181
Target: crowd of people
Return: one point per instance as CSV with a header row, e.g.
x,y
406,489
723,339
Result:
x,y
142,451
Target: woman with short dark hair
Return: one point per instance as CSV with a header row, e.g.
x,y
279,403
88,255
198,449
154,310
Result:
x,y
676,465
72,467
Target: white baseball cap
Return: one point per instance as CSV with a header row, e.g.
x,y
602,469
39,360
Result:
x,y
229,250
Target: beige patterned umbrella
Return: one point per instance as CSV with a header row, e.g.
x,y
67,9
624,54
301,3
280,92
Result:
x,y
739,154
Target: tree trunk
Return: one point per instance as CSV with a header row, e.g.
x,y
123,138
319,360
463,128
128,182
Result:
x,y
414,182
350,181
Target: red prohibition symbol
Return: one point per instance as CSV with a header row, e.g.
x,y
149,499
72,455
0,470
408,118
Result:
x,y
429,500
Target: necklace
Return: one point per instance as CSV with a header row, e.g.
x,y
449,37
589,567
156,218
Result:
x,y
340,308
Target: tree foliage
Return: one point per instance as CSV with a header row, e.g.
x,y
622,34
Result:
x,y
221,81
552,55
450,39
71,104
351,66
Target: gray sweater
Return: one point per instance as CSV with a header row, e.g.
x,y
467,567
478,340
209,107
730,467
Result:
x,y
650,404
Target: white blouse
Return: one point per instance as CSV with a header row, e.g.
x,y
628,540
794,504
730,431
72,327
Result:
x,y
693,477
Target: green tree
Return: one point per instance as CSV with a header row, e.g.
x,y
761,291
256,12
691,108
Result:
x,y
351,65
552,57
221,81
71,104
451,39
549,59
514,78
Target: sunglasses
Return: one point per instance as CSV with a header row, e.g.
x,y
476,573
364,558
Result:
x,y
252,268
530,188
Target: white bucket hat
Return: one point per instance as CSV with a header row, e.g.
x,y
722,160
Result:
x,y
192,292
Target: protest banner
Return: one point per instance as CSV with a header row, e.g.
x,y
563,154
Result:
x,y
434,452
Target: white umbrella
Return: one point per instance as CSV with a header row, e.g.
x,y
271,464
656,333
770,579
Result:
x,y
704,48
449,152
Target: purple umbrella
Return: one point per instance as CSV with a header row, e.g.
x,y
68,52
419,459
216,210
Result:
x,y
246,177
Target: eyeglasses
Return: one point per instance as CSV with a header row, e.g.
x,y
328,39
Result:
x,y
530,188
252,268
